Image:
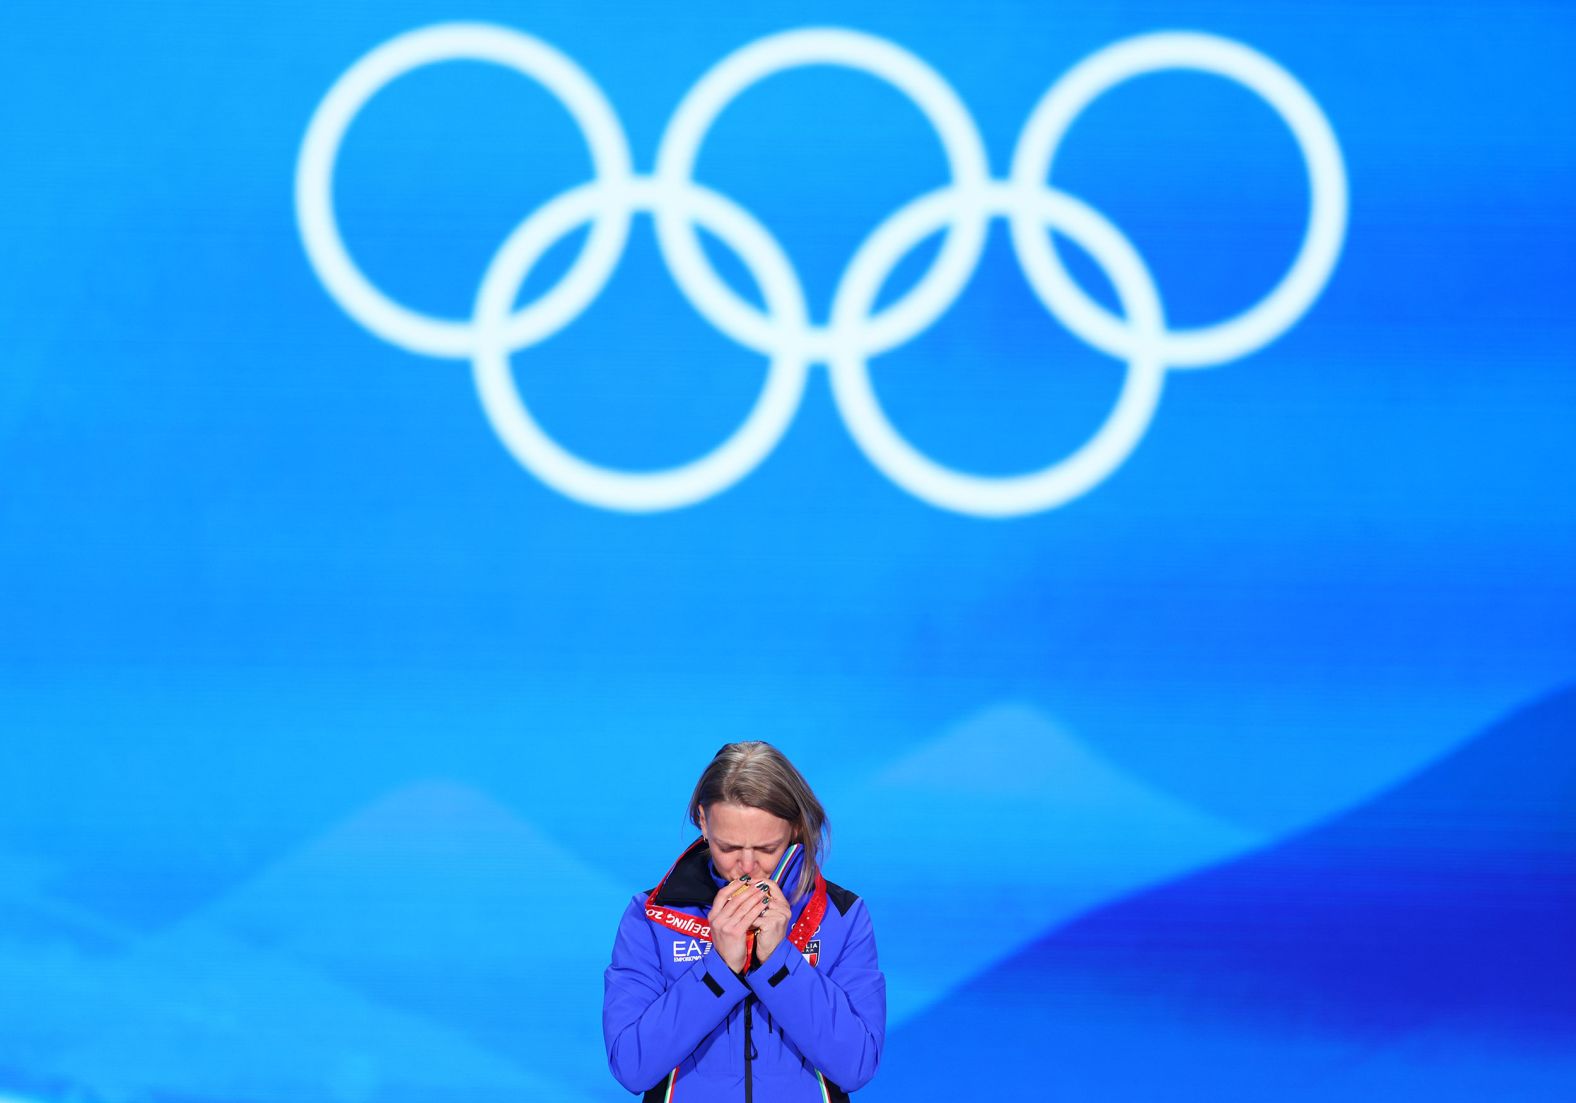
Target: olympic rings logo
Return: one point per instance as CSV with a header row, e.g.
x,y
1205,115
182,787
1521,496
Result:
x,y
783,331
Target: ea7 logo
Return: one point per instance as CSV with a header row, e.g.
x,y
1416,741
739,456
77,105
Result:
x,y
690,949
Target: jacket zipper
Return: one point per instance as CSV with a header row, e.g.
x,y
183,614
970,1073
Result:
x,y
748,1046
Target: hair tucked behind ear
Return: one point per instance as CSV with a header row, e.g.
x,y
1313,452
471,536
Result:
x,y
758,775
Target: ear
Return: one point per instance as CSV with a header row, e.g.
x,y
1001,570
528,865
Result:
x,y
701,815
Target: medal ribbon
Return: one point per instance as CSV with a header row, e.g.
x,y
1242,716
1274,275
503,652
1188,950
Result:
x,y
804,927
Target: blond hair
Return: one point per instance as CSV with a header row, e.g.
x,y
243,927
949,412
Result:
x,y
758,775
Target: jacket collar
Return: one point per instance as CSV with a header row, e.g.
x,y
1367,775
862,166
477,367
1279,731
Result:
x,y
689,883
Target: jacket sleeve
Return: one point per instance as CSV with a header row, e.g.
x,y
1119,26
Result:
x,y
835,1014
649,1025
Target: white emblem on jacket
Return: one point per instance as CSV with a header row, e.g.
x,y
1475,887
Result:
x,y
690,949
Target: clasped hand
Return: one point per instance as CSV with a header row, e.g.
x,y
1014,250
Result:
x,y
732,917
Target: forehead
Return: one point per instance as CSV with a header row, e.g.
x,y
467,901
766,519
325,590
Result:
x,y
737,825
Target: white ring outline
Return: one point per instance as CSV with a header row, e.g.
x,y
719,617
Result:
x,y
778,53
784,332
325,134
1059,482
647,491
1221,342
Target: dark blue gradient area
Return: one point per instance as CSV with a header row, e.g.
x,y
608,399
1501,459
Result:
x,y
1417,947
334,739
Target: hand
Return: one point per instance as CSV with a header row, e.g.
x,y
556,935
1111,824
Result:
x,y
732,914
772,923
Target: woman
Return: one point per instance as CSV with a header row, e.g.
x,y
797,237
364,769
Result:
x,y
745,975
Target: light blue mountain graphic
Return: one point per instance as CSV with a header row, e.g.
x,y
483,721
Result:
x,y
200,1016
441,902
975,843
54,958
435,944
97,1013
1417,947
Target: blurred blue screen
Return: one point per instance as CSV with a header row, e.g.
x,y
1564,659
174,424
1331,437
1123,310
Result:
x,y
1123,454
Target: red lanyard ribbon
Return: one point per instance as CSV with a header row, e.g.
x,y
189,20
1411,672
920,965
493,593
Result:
x,y
694,926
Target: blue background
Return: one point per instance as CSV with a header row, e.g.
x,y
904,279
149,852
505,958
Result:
x,y
334,741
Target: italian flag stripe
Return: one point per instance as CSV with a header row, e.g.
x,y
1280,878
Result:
x,y
782,863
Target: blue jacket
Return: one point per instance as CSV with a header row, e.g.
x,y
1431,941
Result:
x,y
797,1027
